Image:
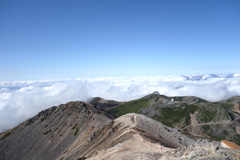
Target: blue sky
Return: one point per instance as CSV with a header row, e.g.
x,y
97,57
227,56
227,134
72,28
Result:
x,y
58,39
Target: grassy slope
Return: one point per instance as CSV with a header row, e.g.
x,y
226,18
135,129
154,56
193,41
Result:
x,y
175,115
131,107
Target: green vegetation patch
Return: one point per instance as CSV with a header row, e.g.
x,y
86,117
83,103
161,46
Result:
x,y
131,107
173,115
236,139
206,128
48,131
238,120
227,106
212,112
200,100
206,115
6,135
216,131
74,126
76,131
219,132
95,100
178,98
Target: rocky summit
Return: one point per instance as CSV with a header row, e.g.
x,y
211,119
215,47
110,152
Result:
x,y
78,131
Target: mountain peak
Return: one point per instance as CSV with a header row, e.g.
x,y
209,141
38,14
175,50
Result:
x,y
74,106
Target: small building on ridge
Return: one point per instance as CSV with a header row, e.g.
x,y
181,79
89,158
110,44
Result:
x,y
228,144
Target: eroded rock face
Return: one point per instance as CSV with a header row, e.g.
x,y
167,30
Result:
x,y
142,137
52,132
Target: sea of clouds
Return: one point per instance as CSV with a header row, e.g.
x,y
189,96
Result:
x,y
20,100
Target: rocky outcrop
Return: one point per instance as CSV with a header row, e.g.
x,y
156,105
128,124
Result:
x,y
203,150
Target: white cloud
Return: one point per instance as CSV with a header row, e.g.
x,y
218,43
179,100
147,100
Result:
x,y
21,100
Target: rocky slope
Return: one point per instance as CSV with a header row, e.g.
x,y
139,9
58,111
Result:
x,y
78,131
53,132
202,150
190,115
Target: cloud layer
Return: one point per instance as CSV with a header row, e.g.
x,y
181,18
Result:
x,y
21,100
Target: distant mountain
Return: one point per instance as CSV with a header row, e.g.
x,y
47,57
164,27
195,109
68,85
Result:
x,y
210,76
190,115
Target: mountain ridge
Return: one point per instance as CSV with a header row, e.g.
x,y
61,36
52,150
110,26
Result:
x,y
189,114
77,130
